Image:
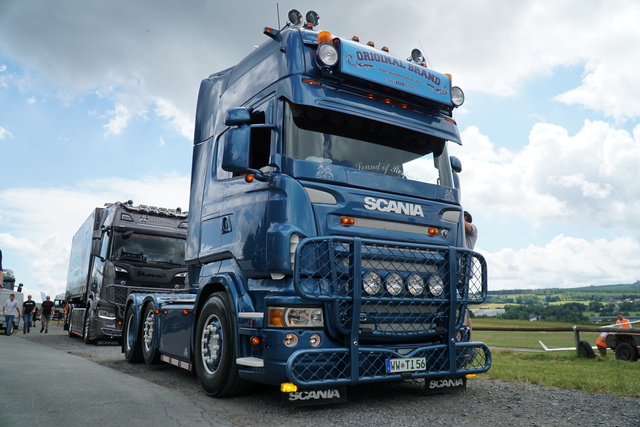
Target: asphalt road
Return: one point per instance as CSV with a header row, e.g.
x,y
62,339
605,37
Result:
x,y
42,386
52,379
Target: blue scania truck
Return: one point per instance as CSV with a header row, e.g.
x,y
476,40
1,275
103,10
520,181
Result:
x,y
325,245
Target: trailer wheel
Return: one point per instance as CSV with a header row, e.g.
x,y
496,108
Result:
x,y
626,352
149,351
215,362
86,337
131,346
586,350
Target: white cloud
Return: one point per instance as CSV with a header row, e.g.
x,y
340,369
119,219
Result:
x,y
565,262
5,134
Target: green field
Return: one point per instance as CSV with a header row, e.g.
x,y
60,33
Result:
x,y
562,369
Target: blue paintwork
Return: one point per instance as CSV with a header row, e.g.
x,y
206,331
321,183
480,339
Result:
x,y
239,233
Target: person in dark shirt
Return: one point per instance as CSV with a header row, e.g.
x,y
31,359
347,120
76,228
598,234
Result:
x,y
46,309
27,314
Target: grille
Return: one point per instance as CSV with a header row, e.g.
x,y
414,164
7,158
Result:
x,y
331,270
315,367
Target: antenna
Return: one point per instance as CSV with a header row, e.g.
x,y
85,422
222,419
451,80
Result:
x,y
278,12
279,27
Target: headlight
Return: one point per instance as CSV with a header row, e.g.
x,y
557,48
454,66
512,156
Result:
x,y
415,284
436,285
104,314
296,317
457,96
371,283
393,284
328,54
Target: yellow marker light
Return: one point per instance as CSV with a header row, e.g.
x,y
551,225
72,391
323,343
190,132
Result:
x,y
255,340
288,388
276,317
312,82
471,375
324,37
185,312
249,178
347,222
433,231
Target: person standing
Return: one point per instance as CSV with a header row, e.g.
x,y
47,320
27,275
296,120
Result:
x,y
1,272
10,310
28,308
45,312
624,323
470,231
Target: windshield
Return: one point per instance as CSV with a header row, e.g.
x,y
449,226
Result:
x,y
131,246
325,136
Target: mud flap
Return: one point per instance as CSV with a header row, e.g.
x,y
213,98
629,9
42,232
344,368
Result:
x,y
445,385
309,397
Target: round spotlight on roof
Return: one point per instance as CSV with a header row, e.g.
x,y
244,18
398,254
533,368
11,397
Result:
x,y
313,18
295,17
416,56
457,96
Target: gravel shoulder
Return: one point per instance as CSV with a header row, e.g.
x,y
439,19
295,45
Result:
x,y
486,402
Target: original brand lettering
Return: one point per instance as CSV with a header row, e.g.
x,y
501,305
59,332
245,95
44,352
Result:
x,y
315,395
378,57
382,205
445,383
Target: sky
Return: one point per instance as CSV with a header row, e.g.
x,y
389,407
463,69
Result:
x,y
97,103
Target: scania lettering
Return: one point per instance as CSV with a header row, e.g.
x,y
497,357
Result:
x,y
392,206
119,249
325,246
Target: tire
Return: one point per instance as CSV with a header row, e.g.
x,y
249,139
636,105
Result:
x,y
131,342
148,336
86,338
626,352
586,350
215,362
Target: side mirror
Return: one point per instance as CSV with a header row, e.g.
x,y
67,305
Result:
x,y
456,165
237,117
236,144
96,243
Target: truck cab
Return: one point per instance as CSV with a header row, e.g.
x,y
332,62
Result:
x,y
325,245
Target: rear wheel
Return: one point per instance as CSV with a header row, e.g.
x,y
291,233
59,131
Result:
x,y
215,362
626,352
131,346
149,351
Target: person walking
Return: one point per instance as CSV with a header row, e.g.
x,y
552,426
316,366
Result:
x,y
27,314
10,310
45,313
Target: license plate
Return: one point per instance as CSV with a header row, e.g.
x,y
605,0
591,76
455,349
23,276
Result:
x,y
406,365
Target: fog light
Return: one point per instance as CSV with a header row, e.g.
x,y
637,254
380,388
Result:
x,y
372,283
315,340
436,285
394,284
415,284
290,340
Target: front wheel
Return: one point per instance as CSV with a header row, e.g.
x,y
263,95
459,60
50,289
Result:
x,y
131,346
215,362
149,351
626,352
86,334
